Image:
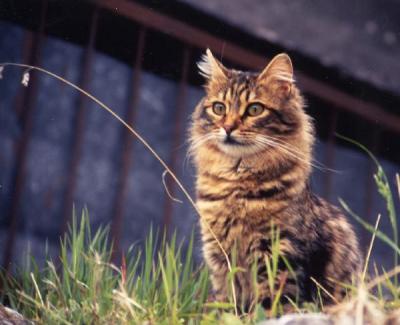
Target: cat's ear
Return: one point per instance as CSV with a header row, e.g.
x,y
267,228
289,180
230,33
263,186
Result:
x,y
278,74
211,68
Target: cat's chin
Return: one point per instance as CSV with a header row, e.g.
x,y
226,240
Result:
x,y
238,150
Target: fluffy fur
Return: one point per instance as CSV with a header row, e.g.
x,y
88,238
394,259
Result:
x,y
252,172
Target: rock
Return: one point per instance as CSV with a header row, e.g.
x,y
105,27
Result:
x,y
11,317
300,319
393,318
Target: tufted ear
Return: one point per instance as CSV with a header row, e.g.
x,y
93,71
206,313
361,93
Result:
x,y
279,73
211,68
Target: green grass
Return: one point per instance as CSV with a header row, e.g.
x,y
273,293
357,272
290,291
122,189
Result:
x,y
161,284
83,287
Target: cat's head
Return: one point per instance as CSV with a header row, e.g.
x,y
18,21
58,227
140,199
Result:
x,y
245,114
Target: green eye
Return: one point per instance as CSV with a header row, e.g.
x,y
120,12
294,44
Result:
x,y
219,108
255,109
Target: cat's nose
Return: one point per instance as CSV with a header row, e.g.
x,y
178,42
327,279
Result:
x,y
229,128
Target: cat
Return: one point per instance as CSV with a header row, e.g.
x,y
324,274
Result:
x,y
251,143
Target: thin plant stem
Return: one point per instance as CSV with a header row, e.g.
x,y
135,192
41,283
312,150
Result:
x,y
324,290
371,244
383,277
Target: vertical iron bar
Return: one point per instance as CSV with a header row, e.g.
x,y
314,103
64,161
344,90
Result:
x,y
28,54
26,118
180,109
76,150
127,147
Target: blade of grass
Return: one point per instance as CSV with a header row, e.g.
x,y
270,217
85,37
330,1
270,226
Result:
x,y
371,244
384,190
370,228
319,285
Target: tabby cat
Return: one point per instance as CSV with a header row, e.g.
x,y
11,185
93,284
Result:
x,y
252,142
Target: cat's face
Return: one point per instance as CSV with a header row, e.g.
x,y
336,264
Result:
x,y
245,113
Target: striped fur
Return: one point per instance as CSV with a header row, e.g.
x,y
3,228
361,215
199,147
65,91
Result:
x,y
258,176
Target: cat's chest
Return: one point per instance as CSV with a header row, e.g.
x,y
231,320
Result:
x,y
222,200
229,228
227,208
218,198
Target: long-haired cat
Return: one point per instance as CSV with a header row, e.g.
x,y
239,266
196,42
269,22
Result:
x,y
252,143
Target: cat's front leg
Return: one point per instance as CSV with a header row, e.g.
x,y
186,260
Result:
x,y
283,285
219,270
283,289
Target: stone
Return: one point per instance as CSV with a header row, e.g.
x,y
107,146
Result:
x,y
300,319
9,316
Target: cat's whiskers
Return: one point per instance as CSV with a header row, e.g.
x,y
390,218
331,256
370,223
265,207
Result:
x,y
283,144
291,147
272,143
194,144
279,146
296,153
198,142
254,144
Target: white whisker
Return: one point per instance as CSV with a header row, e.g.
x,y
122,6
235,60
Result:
x,y
289,147
288,151
194,144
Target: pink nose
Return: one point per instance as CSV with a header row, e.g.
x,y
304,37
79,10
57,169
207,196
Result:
x,y
229,128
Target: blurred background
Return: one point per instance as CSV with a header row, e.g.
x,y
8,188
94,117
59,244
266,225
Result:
x,y
58,149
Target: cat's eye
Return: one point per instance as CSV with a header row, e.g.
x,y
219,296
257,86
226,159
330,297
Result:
x,y
255,109
218,108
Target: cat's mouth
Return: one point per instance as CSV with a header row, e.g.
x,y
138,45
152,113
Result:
x,y
231,141
233,144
